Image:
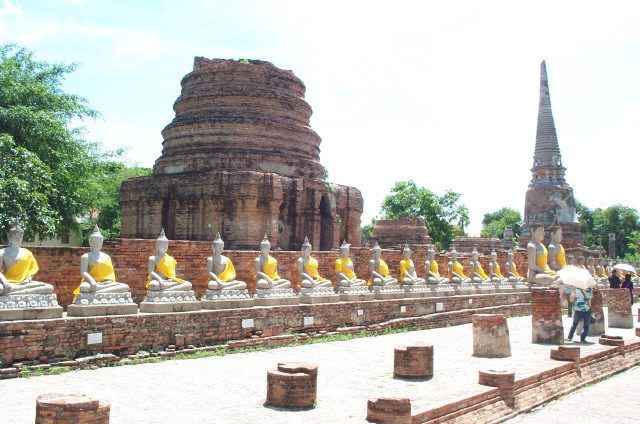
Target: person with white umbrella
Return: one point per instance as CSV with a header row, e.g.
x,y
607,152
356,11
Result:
x,y
581,296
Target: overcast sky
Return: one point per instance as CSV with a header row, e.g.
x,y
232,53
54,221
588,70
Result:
x,y
444,93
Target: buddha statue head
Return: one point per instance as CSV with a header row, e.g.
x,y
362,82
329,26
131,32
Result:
x,y
454,255
377,250
96,239
555,231
474,254
218,245
265,245
15,234
162,244
510,255
344,249
494,256
406,252
537,231
306,247
431,254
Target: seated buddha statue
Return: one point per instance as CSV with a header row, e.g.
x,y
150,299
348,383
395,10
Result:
x,y
379,270
18,266
408,274
495,274
222,274
433,274
590,267
512,270
308,269
162,269
581,262
571,260
345,271
96,268
557,259
601,271
477,272
539,271
456,270
266,269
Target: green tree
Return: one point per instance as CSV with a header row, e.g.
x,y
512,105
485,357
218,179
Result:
x,y
104,207
597,224
493,224
445,217
36,113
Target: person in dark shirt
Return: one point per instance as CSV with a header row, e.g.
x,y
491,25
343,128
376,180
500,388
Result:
x,y
614,280
628,284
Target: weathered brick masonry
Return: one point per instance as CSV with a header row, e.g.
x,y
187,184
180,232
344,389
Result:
x,y
60,266
63,339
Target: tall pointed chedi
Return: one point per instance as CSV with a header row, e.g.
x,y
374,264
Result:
x,y
549,198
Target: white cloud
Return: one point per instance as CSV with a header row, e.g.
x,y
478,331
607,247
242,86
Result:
x,y
7,9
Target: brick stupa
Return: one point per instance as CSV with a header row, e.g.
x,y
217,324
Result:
x,y
241,158
549,198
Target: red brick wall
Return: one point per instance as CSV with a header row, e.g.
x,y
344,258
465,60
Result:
x,y
60,266
66,338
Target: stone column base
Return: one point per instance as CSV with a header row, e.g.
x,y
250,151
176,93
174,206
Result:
x,y
75,310
165,307
16,314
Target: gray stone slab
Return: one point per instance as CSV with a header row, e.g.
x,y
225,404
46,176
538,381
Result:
x,y
165,307
227,304
15,314
75,310
275,301
319,298
353,297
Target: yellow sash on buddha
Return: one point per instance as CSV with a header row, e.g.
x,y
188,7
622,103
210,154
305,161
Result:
x,y
100,272
229,274
560,257
344,266
480,271
269,268
514,269
312,268
458,269
496,270
541,260
405,265
383,269
434,268
26,267
167,267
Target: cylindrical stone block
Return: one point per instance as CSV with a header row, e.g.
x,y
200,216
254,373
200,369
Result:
x,y
54,408
546,316
491,336
413,361
389,410
294,385
619,308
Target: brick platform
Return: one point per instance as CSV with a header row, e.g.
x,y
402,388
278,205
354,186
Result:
x,y
389,410
546,316
294,385
413,361
491,336
619,311
54,408
566,353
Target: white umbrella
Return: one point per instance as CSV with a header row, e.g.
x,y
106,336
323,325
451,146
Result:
x,y
625,267
576,277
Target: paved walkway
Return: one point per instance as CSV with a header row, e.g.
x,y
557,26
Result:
x,y
232,388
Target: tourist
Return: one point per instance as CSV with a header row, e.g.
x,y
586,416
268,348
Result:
x,y
581,299
614,280
568,288
628,284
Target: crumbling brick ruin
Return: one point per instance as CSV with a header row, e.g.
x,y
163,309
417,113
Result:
x,y
240,158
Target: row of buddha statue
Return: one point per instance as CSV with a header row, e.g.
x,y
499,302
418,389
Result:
x,y
100,293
